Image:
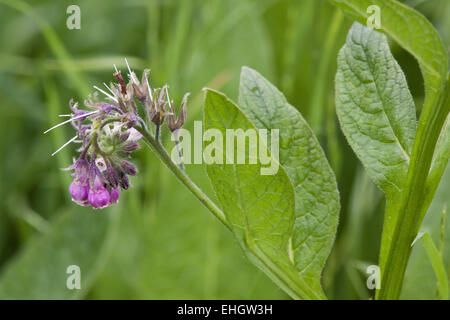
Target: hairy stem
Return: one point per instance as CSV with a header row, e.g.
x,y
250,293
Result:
x,y
110,120
181,175
411,208
176,139
158,133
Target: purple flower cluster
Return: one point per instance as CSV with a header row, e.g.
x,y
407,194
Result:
x,y
101,168
99,174
91,187
109,133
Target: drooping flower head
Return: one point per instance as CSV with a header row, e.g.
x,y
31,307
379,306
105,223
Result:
x,y
107,137
107,133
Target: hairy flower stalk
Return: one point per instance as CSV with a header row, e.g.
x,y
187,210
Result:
x,y
175,124
109,131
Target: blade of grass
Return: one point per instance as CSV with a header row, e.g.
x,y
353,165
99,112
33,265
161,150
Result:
x,y
300,24
153,19
437,263
442,234
174,50
54,43
318,100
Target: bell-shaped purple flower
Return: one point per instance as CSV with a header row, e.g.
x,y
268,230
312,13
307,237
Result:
x,y
79,188
98,196
79,192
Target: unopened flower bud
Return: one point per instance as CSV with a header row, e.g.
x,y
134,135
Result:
x,y
140,89
131,146
175,124
128,168
157,117
123,136
111,177
107,108
123,86
123,181
158,114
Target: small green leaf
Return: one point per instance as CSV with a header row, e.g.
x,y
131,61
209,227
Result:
x,y
437,263
260,208
411,30
78,237
316,194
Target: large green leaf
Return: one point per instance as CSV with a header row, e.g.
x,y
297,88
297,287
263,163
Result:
x,y
78,237
375,108
377,114
412,31
316,194
260,208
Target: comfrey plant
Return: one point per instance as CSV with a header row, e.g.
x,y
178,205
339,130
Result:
x,y
286,221
404,157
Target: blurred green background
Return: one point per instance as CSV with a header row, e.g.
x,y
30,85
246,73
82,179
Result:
x,y
159,242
